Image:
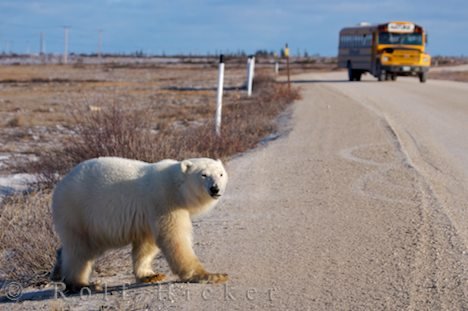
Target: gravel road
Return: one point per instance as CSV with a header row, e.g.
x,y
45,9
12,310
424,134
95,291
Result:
x,y
360,205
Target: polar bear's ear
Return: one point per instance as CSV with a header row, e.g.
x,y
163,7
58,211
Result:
x,y
185,165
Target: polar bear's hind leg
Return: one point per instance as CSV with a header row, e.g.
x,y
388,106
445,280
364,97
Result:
x,y
77,266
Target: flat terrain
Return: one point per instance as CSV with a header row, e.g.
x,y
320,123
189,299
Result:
x,y
360,205
39,103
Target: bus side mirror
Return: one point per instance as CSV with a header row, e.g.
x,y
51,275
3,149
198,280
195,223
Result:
x,y
425,39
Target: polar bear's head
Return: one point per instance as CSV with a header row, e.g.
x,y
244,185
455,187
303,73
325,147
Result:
x,y
204,177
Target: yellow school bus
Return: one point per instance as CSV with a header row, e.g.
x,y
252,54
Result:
x,y
385,51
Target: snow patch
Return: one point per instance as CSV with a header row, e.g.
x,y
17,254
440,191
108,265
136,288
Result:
x,y
15,183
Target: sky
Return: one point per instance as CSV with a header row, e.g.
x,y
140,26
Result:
x,y
215,26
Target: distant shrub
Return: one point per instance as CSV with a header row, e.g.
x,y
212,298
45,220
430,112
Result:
x,y
111,131
128,133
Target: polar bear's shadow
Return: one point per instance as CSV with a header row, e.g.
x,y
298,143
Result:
x,y
56,293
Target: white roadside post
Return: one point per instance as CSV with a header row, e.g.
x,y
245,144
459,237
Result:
x,y
219,101
250,74
286,54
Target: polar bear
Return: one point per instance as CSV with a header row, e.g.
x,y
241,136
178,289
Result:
x,y
110,202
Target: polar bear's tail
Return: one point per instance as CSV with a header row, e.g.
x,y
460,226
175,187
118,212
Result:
x,y
56,273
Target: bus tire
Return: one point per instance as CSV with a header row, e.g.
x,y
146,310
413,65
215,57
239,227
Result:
x,y
380,72
381,75
357,75
422,77
393,76
351,73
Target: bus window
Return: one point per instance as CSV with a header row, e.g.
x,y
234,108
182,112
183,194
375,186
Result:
x,y
399,38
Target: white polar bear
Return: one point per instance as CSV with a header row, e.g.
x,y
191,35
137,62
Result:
x,y
110,202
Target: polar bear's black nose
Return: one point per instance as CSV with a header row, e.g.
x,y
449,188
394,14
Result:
x,y
214,190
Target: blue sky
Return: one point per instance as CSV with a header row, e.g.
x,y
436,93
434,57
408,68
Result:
x,y
157,26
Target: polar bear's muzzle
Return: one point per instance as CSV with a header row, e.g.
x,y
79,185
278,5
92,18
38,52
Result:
x,y
214,192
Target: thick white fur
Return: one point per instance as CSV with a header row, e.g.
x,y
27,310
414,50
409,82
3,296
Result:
x,y
106,203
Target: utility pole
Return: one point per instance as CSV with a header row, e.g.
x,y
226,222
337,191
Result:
x,y
41,44
42,48
286,54
65,44
99,51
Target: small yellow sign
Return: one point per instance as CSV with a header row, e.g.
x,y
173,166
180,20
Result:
x,y
286,52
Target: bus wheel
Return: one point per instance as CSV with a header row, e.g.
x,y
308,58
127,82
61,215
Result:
x,y
381,75
351,73
357,75
422,77
393,76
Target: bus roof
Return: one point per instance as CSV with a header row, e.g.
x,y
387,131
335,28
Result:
x,y
363,28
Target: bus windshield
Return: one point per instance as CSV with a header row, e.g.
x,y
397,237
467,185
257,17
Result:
x,y
400,38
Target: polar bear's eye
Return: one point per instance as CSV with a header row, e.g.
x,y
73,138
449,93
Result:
x,y
221,175
203,175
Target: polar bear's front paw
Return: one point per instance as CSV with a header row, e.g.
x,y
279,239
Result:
x,y
155,278
206,278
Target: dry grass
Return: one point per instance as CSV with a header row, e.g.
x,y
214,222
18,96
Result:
x,y
27,240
